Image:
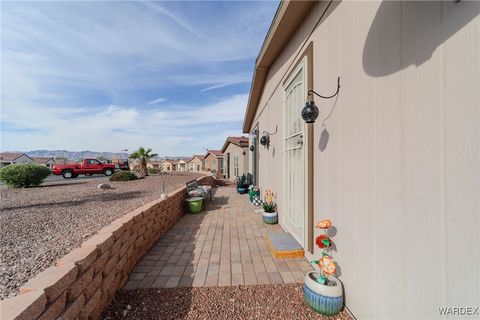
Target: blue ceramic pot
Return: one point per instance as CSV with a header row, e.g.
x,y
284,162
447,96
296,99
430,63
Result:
x,y
324,299
242,190
270,218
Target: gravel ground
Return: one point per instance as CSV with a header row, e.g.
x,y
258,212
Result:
x,y
238,302
40,225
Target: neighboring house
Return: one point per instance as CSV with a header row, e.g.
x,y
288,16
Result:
x,y
393,159
235,157
157,164
196,163
45,161
169,165
181,165
214,163
7,158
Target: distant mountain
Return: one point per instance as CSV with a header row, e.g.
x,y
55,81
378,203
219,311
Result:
x,y
75,155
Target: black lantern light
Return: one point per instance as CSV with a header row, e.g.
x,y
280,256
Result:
x,y
310,111
252,148
265,140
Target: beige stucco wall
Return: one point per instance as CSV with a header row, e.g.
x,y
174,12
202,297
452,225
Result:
x,y
212,164
192,165
397,167
237,151
167,166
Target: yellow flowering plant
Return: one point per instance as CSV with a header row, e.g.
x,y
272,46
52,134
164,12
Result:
x,y
269,204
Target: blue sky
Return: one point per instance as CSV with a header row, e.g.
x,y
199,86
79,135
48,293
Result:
x,y
106,76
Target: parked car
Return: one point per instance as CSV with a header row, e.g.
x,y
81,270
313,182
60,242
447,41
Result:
x,y
87,167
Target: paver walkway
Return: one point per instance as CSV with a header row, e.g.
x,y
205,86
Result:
x,y
220,247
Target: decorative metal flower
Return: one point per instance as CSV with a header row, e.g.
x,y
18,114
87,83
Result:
x,y
327,265
323,241
324,224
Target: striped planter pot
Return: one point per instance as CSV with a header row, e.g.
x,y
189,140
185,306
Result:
x,y
270,218
324,299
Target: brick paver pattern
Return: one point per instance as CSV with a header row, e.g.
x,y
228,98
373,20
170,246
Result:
x,y
221,246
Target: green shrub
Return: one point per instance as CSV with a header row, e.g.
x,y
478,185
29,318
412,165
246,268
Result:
x,y
23,175
153,170
123,176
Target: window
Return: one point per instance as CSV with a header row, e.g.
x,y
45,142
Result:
x,y
236,168
221,166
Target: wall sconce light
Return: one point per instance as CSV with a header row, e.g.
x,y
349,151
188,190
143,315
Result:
x,y
244,153
265,139
252,148
310,111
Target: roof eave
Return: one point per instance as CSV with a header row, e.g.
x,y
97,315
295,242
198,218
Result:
x,y
289,16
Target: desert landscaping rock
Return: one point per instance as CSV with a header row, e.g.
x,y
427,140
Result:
x,y
41,225
237,302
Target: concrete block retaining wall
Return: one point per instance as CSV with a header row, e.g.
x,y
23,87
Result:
x,y
83,282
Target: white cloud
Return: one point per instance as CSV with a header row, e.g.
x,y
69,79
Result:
x,y
156,101
182,131
75,74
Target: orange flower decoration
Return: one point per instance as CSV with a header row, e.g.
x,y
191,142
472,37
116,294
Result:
x,y
327,266
324,224
323,241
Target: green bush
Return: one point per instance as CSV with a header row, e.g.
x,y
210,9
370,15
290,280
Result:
x,y
23,175
123,176
153,170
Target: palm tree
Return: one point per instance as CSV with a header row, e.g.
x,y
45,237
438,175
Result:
x,y
143,154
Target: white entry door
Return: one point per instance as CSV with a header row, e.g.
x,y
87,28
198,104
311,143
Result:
x,y
294,152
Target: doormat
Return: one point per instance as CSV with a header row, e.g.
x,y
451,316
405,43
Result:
x,y
283,245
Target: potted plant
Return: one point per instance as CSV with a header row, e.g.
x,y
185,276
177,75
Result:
x,y
323,292
241,188
253,191
270,215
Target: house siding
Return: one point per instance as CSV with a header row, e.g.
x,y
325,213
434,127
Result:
x,y
396,154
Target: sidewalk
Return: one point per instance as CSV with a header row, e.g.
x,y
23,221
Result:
x,y
223,246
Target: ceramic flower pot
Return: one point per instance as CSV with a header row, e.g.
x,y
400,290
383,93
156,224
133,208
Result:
x,y
242,190
270,217
324,299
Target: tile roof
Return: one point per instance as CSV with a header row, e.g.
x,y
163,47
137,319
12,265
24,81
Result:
x,y
41,160
239,141
217,153
10,156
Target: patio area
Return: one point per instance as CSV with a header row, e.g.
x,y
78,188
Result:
x,y
222,246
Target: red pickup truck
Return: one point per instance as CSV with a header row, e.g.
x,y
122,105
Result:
x,y
87,167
